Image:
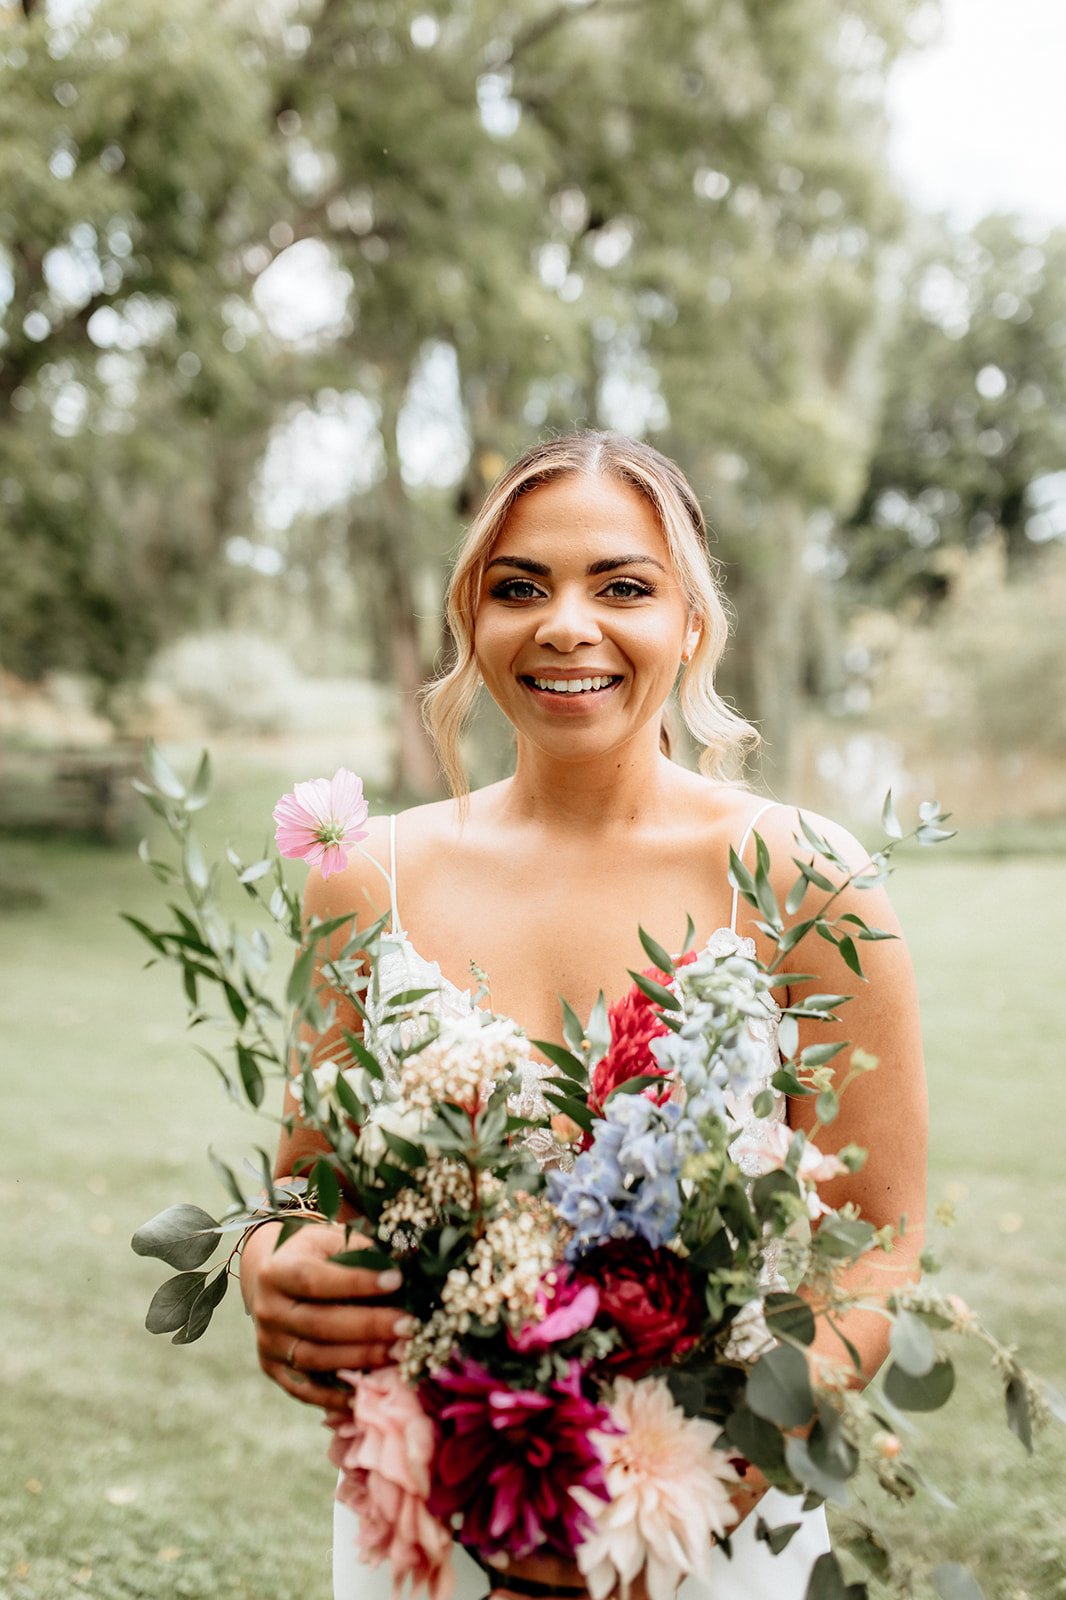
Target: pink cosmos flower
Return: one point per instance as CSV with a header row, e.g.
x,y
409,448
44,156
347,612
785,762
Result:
x,y
770,1147
321,820
563,1308
385,1451
510,1461
669,1496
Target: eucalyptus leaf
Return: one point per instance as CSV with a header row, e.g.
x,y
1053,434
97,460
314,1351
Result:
x,y
926,1393
184,1236
889,821
788,1036
251,1076
779,1388
1018,1419
173,1301
827,1105
327,1188
777,1538
827,1582
203,1309
789,1317
299,983
912,1345
813,1477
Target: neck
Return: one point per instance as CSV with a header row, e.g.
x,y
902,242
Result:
x,y
596,795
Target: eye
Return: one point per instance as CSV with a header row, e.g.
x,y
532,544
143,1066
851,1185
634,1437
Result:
x,y
628,589
514,589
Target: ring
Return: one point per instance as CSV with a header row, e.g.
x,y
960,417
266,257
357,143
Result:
x,y
289,1362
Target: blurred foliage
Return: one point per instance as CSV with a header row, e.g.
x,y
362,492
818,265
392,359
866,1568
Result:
x,y
974,431
670,219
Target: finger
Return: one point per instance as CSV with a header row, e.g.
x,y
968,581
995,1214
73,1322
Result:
x,y
311,1357
361,1324
310,1277
301,1387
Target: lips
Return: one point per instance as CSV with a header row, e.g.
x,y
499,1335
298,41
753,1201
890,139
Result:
x,y
550,683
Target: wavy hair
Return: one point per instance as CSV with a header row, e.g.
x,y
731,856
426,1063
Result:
x,y
449,701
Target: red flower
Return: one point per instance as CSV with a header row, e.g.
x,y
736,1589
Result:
x,y
635,1021
649,1296
507,1459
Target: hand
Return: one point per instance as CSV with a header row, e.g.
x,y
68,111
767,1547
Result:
x,y
309,1313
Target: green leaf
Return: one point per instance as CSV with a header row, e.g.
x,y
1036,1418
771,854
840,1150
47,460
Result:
x,y
926,1393
173,1301
786,1081
868,1549
409,997
817,1055
954,1582
598,1031
656,954
153,938
654,991
865,930
251,1076
741,878
299,983
757,1440
203,1310
1018,1419
827,1446
827,1581
235,1001
814,1478
889,821
779,1388
912,1345
412,1155
195,863
226,1178
796,895
827,1105
810,874
162,773
690,935
200,787
348,1099
257,870
930,835
636,1084
184,1236
777,1538
846,946
565,1060
794,936
327,1188
789,1317
788,1036
843,1238
575,1109
764,894
362,1056
763,1103
573,1028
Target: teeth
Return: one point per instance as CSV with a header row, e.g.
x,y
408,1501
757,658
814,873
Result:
x,y
572,685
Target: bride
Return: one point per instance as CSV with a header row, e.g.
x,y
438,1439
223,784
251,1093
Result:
x,y
583,589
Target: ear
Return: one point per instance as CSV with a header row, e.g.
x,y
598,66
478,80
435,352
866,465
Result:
x,y
692,639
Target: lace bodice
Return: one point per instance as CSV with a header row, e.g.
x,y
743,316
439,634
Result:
x,y
401,967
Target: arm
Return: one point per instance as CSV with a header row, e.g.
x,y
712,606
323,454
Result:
x,y
312,1316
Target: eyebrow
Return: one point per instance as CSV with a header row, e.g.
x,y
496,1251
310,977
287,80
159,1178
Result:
x,y
607,564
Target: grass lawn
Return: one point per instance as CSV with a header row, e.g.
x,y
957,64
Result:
x,y
129,1469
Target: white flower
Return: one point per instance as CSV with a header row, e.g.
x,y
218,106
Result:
x,y
393,1116
670,1496
464,1062
325,1078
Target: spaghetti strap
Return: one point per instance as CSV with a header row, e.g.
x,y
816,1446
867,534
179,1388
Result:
x,y
767,805
396,928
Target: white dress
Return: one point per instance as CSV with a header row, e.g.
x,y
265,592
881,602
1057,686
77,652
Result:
x,y
753,1572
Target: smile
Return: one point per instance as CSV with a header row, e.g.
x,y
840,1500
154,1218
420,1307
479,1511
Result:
x,y
571,685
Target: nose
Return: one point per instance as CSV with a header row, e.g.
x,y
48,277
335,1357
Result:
x,y
567,622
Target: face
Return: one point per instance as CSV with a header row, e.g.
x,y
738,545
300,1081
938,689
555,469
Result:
x,y
581,622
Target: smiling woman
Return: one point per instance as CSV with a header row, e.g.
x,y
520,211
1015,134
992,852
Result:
x,y
583,593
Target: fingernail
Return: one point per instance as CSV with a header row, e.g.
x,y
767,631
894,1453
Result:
x,y
398,1350
404,1326
390,1280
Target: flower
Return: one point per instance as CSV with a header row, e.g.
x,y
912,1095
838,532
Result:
x,y
511,1461
669,1495
463,1062
385,1451
635,1021
649,1296
767,1150
565,1307
320,821
626,1184
388,1116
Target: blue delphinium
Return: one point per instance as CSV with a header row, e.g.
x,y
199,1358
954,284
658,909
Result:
x,y
717,1050
626,1184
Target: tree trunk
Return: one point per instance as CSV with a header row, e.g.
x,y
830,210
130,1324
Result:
x,y
775,627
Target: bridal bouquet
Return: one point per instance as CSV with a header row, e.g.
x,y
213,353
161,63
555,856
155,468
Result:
x,y
617,1255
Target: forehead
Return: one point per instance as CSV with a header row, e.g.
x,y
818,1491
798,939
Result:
x,y
579,514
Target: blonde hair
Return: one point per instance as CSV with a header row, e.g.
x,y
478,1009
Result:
x,y
449,701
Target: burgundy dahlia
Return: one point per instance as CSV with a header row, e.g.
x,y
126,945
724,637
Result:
x,y
507,1459
635,1021
650,1297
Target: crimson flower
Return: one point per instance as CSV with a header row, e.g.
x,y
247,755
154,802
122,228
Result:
x,y
649,1296
507,1459
635,1021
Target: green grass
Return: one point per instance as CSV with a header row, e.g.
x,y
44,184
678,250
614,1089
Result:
x,y
129,1468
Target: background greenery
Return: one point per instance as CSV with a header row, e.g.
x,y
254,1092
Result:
x,y
133,1469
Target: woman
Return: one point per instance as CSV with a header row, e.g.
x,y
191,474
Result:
x,y
583,588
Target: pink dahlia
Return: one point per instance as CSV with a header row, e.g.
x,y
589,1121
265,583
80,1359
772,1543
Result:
x,y
510,1461
634,1021
669,1496
320,821
384,1451
564,1307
